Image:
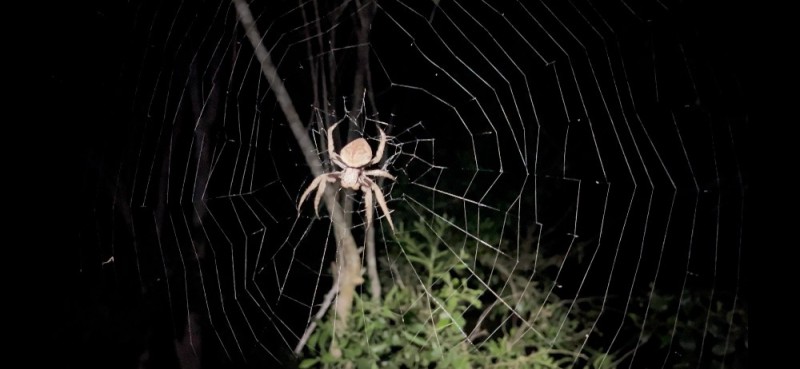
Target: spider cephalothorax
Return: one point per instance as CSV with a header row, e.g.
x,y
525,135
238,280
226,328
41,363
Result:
x,y
352,159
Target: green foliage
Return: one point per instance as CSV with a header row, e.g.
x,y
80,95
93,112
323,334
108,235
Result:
x,y
437,312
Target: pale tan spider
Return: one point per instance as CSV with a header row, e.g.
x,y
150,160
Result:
x,y
353,158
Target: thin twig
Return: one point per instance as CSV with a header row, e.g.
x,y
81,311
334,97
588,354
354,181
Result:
x,y
477,332
326,303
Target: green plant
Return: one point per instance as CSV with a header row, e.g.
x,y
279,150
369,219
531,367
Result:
x,y
442,311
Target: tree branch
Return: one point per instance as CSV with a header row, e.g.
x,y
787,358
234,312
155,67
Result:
x,y
372,265
349,259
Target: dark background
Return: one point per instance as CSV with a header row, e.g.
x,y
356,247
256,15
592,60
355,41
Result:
x,y
85,91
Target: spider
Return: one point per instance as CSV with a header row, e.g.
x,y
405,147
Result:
x,y
353,158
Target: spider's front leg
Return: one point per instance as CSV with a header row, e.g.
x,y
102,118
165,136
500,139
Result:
x,y
331,150
381,146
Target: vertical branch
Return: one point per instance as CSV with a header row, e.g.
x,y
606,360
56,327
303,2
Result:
x,y
372,265
348,258
364,16
313,68
322,70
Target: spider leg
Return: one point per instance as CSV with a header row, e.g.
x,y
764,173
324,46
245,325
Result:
x,y
314,184
331,150
382,145
379,173
320,183
367,204
338,162
382,203
318,196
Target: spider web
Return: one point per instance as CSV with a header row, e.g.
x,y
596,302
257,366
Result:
x,y
603,136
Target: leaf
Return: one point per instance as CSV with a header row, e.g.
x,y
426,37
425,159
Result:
x,y
414,339
328,358
452,304
443,322
378,348
602,362
417,259
637,321
307,363
353,351
364,363
312,341
476,303
437,352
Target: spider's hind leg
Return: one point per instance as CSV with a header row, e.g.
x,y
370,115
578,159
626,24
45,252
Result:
x,y
314,184
319,183
373,187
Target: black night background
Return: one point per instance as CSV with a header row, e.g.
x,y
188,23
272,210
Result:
x,y
571,184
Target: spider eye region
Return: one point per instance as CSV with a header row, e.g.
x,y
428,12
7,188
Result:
x,y
357,153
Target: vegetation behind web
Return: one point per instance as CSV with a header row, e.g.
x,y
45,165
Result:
x,y
436,313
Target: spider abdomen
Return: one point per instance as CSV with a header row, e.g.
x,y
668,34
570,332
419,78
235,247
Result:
x,y
357,153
